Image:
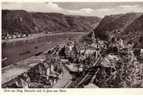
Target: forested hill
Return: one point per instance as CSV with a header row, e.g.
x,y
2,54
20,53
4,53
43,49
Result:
x,y
34,22
127,26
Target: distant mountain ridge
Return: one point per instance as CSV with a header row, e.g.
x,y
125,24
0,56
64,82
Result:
x,y
127,26
34,22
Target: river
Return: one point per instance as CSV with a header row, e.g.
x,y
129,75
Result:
x,y
15,50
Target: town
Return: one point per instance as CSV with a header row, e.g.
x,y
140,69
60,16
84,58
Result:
x,y
79,64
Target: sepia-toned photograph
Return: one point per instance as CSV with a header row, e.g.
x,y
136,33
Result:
x,y
72,45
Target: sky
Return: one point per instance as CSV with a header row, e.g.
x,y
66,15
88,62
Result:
x,y
99,9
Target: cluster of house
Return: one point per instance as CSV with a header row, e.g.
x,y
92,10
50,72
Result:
x,y
14,35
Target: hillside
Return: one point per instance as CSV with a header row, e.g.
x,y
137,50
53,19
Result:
x,y
127,26
34,22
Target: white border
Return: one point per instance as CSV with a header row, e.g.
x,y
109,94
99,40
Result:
x,y
71,92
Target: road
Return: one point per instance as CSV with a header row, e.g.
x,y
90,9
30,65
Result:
x,y
67,77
